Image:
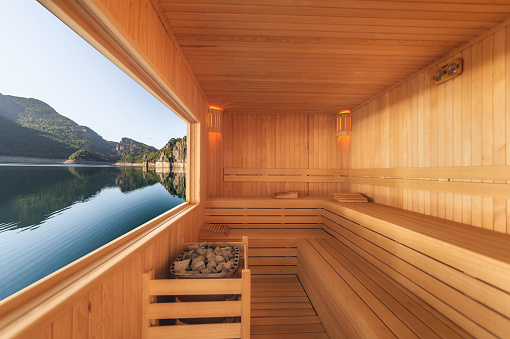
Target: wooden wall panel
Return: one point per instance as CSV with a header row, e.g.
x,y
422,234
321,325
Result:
x,y
281,141
462,122
415,124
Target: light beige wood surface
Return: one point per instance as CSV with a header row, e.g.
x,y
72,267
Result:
x,y
279,306
374,304
451,277
463,122
438,150
152,310
321,56
450,282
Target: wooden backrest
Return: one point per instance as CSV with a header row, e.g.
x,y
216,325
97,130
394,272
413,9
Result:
x,y
152,311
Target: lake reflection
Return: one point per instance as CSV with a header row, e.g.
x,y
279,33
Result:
x,y
53,215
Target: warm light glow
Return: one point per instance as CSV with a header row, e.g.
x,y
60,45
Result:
x,y
343,123
343,142
216,107
214,119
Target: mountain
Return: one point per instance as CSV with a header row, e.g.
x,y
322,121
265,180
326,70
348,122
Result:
x,y
175,152
32,128
130,150
39,116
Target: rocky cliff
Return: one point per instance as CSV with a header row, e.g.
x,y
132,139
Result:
x,y
174,153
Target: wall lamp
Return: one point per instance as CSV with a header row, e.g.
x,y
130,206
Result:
x,y
343,123
214,119
448,72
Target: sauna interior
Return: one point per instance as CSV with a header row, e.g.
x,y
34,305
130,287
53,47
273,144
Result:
x,y
261,85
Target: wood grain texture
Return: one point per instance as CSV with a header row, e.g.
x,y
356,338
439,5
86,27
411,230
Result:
x,y
449,139
320,57
466,125
460,294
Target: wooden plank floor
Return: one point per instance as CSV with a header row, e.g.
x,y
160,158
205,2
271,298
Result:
x,y
280,307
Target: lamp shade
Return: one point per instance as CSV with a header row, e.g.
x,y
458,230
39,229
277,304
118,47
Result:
x,y
343,123
214,119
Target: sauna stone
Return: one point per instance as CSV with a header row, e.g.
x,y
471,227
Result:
x,y
206,258
181,266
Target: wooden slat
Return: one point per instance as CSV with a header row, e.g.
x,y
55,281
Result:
x,y
192,287
292,336
500,172
201,330
257,300
285,293
271,234
274,269
246,304
195,309
271,225
481,189
261,211
291,312
257,261
278,306
239,219
283,328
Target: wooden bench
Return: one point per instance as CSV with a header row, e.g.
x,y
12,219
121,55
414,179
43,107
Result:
x,y
389,272
153,311
449,277
355,299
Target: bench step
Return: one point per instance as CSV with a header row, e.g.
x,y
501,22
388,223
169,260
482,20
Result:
x,y
370,302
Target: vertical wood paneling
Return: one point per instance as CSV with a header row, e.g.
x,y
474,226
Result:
x,y
95,313
107,305
81,318
463,122
63,325
499,122
477,125
507,114
280,141
466,113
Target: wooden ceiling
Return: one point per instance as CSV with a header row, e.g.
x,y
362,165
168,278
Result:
x,y
317,56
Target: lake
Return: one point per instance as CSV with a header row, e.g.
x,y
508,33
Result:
x,y
51,215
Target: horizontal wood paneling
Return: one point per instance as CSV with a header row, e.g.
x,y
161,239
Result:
x,y
463,122
317,56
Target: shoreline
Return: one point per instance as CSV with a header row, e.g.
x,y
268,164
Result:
x,y
7,159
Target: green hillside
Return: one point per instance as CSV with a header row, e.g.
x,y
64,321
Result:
x,y
39,116
16,140
32,128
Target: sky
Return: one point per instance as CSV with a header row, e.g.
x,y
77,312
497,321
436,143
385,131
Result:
x,y
42,58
